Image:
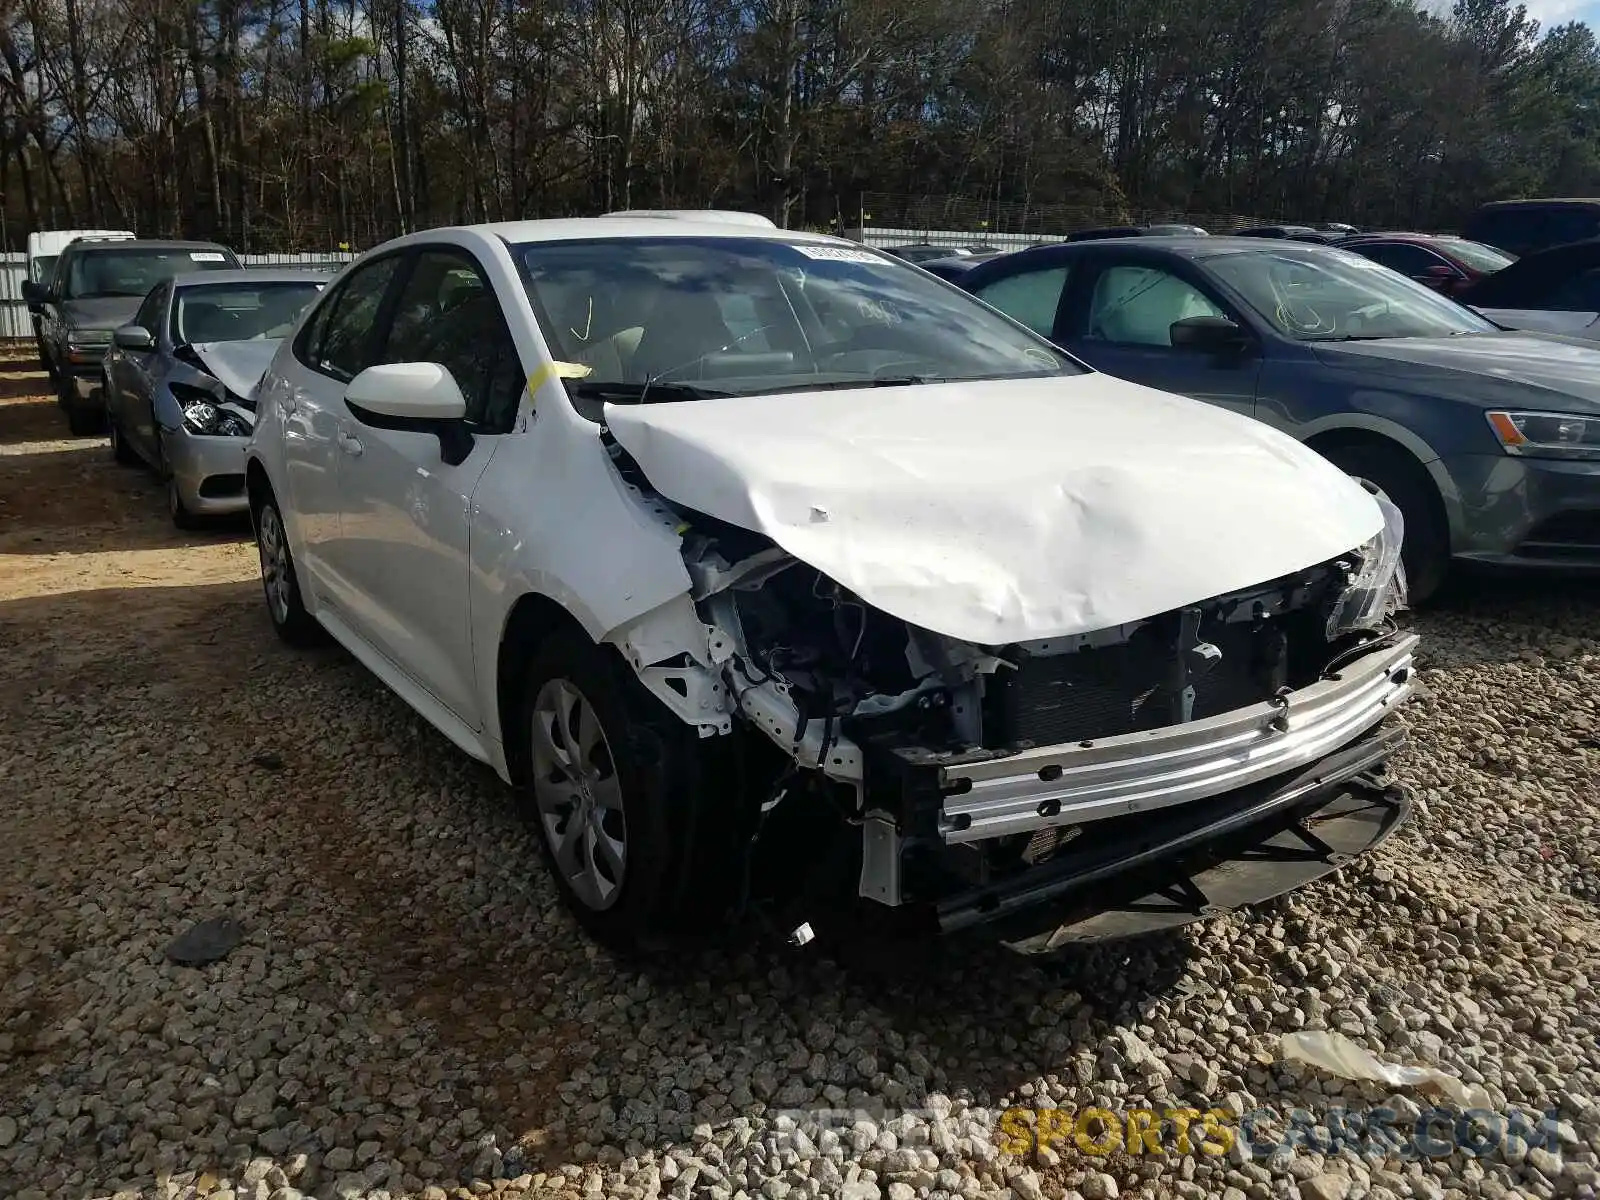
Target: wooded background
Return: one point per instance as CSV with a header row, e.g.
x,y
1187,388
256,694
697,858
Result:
x,y
304,124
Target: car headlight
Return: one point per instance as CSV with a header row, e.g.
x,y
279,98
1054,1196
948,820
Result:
x,y
88,339
203,414
1546,435
1377,589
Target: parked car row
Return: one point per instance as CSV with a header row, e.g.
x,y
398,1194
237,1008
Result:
x,y
160,344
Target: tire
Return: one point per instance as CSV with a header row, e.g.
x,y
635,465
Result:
x,y
1426,551
182,518
279,583
618,842
120,450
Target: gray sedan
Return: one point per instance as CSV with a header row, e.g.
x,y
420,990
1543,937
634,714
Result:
x,y
179,381
1487,440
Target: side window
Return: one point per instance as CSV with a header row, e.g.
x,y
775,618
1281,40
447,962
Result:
x,y
448,314
1570,225
342,347
1575,293
1402,257
1031,298
1137,306
149,315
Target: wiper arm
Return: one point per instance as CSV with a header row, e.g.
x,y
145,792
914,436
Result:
x,y
594,389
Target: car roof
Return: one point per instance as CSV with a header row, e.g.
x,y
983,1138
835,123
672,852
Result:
x,y
1188,245
146,244
567,229
252,275
1579,200
1402,236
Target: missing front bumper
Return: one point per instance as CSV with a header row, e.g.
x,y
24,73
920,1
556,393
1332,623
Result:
x,y
1243,848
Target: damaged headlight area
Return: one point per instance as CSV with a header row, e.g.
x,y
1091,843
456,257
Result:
x,y
206,413
1376,590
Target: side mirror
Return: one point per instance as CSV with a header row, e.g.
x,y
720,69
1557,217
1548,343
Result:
x,y
35,294
1439,276
1208,335
133,337
413,397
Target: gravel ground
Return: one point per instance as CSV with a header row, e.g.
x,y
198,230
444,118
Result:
x,y
410,1013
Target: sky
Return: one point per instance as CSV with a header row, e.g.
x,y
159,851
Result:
x,y
1550,13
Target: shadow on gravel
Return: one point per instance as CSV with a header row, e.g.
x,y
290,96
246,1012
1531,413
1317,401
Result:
x,y
1494,617
16,384
78,501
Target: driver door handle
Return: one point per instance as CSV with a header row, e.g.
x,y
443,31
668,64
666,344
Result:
x,y
350,444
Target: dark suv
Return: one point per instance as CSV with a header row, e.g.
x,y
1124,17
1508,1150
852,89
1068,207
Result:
x,y
97,285
1523,226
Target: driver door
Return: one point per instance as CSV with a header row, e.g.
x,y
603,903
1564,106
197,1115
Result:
x,y
404,510
1121,325
132,375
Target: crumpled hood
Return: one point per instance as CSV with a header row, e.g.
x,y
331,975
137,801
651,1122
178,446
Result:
x,y
997,512
101,312
1492,369
239,365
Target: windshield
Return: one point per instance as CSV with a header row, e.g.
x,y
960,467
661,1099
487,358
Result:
x,y
134,271
745,315
223,312
43,265
1478,256
1333,295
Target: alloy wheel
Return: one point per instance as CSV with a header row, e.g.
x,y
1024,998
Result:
x,y
276,579
578,794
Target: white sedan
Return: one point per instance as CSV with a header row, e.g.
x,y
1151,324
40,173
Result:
x,y
779,572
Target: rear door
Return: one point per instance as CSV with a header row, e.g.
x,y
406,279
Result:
x,y
1120,321
133,375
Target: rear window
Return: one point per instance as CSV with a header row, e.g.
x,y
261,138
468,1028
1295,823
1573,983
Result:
x,y
1523,230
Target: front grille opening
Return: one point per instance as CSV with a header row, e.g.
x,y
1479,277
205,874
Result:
x,y
1574,534
1115,690
216,487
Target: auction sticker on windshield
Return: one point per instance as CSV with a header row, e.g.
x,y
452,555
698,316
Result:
x,y
205,256
839,254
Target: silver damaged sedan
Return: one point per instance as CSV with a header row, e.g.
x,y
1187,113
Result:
x,y
179,380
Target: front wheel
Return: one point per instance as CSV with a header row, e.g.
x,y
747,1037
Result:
x,y
615,782
120,450
278,580
1426,550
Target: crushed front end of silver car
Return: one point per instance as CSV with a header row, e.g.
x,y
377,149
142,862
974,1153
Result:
x,y
1096,785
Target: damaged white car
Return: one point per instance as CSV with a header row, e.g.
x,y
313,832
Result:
x,y
781,574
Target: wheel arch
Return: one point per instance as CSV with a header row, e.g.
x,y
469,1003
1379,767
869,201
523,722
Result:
x,y
532,619
1440,488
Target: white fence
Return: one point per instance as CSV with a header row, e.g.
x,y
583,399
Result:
x,y
871,235
14,322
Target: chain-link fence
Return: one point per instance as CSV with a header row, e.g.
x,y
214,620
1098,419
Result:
x,y
1012,220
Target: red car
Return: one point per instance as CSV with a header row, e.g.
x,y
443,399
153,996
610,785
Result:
x,y
1445,263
